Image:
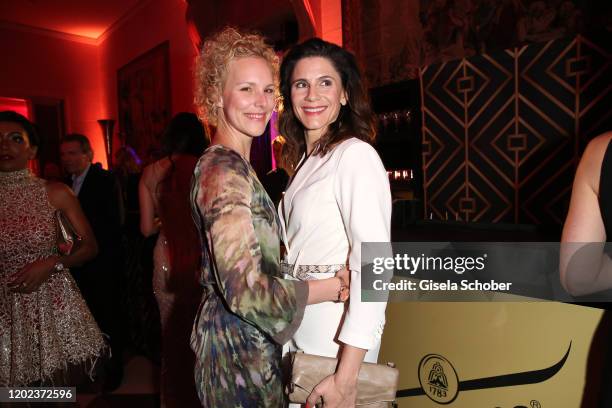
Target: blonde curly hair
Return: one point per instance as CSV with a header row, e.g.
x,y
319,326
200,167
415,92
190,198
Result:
x,y
211,66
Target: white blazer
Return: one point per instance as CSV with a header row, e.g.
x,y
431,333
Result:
x,y
332,205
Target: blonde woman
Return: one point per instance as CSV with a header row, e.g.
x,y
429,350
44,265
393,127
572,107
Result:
x,y
247,311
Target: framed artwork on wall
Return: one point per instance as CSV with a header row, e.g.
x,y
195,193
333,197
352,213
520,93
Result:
x,y
143,96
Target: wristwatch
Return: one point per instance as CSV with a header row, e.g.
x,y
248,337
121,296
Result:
x,y
58,267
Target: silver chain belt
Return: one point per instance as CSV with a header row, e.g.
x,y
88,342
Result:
x,y
305,272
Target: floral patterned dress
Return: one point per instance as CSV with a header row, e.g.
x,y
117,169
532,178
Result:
x,y
247,311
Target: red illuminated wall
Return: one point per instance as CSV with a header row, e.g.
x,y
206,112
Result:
x,y
156,22
328,19
84,75
36,65
15,104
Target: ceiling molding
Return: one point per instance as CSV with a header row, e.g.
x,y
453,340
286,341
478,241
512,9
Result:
x,y
121,20
8,25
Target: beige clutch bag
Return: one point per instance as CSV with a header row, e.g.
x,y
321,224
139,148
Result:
x,y
67,237
376,385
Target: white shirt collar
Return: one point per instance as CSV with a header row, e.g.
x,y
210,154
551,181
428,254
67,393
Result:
x,y
77,181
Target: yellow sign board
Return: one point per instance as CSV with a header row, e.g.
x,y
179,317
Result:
x,y
489,354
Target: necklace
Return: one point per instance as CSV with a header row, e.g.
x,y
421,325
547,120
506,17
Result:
x,y
8,178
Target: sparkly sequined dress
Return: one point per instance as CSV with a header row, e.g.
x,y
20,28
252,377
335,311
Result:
x,y
43,333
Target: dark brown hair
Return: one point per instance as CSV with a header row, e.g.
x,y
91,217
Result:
x,y
355,119
29,127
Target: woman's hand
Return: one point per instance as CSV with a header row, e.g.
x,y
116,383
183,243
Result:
x,y
334,289
345,284
339,390
157,224
63,199
31,276
335,392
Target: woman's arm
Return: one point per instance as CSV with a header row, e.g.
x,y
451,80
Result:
x,y
363,195
31,276
149,223
364,198
340,389
583,266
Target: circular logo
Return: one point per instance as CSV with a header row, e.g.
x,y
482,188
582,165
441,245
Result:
x,y
438,379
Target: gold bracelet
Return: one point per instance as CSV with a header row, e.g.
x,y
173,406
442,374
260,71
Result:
x,y
342,287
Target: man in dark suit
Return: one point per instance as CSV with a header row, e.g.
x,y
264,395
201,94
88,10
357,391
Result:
x,y
99,279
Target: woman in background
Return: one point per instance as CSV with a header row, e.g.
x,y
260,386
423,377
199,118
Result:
x,y
165,209
142,315
46,330
338,198
585,265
